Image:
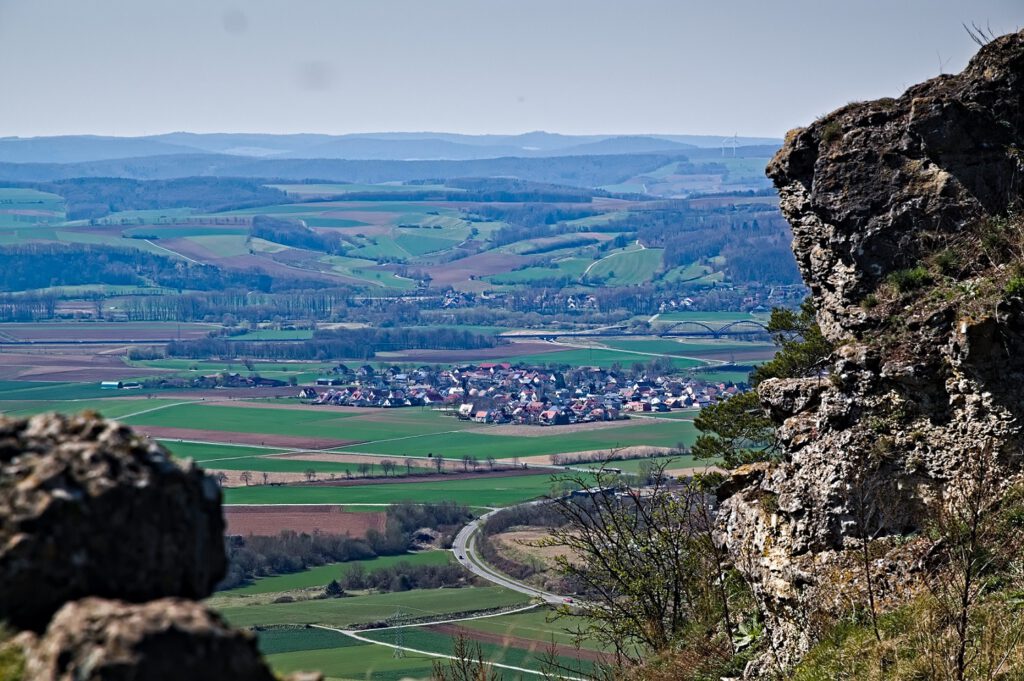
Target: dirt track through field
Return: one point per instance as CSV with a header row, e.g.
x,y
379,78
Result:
x,y
634,452
50,364
236,438
539,648
331,457
460,356
540,431
429,477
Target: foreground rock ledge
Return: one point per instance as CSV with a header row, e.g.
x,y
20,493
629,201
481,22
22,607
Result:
x,y
164,640
88,508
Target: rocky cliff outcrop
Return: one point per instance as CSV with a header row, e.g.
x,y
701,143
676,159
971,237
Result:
x,y
105,543
88,508
903,215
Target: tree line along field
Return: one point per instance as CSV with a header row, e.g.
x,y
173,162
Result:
x,y
318,577
482,492
353,611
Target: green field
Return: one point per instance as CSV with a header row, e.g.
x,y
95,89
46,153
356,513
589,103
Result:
x,y
435,642
184,231
223,245
578,357
409,432
80,236
724,317
673,415
351,425
628,267
321,575
315,423
356,610
672,462
255,459
566,267
273,334
483,492
322,189
292,639
19,207
264,368
341,657
723,376
332,222
693,272
418,244
361,269
110,408
477,443
11,234
690,349
381,247
203,452
537,625
44,390
88,330
355,662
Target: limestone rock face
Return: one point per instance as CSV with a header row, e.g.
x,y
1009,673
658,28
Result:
x,y
923,377
163,640
87,508
872,187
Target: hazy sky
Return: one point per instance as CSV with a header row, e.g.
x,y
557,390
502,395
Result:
x,y
753,67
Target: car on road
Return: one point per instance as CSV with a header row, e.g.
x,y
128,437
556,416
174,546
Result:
x,y
567,600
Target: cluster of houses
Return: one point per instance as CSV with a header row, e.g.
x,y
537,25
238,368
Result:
x,y
507,393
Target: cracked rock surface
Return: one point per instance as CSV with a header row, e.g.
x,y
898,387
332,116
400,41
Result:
x,y
923,376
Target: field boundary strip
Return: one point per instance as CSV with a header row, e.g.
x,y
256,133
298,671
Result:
x,y
706,361
499,665
174,253
158,408
500,613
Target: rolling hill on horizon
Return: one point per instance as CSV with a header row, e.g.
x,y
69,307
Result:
x,y
66,149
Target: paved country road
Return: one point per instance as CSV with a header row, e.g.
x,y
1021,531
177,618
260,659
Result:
x,y
464,548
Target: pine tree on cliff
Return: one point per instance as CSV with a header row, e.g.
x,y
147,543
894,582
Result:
x,y
737,431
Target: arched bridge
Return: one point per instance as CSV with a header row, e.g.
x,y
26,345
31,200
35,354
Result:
x,y
741,327
688,329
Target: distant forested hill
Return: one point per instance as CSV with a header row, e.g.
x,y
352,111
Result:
x,y
94,197
379,146
580,171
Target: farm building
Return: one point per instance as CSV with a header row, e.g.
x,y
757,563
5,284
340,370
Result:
x,y
120,385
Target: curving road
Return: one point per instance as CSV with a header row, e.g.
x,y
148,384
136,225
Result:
x,y
464,548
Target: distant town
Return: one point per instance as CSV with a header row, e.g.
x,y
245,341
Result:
x,y
504,393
